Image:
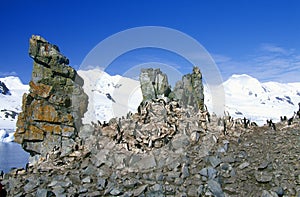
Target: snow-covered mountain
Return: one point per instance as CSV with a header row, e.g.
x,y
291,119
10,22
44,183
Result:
x,y
245,96
115,96
11,102
109,96
10,105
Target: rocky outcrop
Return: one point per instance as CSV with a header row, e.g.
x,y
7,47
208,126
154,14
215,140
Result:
x,y
51,112
189,91
154,84
3,89
154,126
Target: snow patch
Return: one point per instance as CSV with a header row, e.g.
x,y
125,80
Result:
x,y
6,136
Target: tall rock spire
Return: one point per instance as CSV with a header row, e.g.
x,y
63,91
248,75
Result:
x,y
52,110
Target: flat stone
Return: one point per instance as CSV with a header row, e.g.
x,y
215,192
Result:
x,y
87,180
53,183
195,136
244,165
268,194
82,190
263,177
228,159
263,165
192,191
41,192
208,172
30,186
156,188
59,191
225,166
215,188
139,190
180,141
94,193
214,161
90,170
279,191
101,182
115,192
147,162
185,171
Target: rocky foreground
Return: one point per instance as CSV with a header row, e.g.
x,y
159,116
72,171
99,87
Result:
x,y
246,162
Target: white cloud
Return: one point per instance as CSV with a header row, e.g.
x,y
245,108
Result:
x,y
267,47
4,74
91,67
270,63
220,58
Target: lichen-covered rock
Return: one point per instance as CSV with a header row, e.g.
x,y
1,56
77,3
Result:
x,y
189,91
52,110
154,84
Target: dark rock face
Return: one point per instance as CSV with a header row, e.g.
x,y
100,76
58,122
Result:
x,y
154,84
3,89
51,112
189,91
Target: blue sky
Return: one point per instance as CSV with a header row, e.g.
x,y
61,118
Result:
x,y
256,37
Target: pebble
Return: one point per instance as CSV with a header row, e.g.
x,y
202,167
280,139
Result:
x,y
244,165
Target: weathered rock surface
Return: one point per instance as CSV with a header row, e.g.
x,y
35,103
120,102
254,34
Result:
x,y
154,84
51,112
189,91
260,162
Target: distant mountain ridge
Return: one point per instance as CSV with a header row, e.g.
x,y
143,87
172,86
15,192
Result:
x,y
116,95
247,97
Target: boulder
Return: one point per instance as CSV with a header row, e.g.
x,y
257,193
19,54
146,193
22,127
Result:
x,y
52,110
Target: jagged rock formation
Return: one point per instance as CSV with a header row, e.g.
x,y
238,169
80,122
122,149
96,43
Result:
x,y
189,91
154,84
3,89
154,126
51,112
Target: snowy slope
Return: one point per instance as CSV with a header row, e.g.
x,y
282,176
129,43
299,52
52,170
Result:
x,y
11,104
247,97
109,96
